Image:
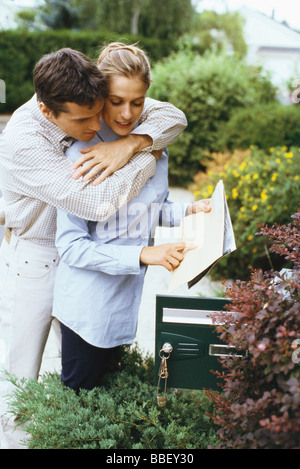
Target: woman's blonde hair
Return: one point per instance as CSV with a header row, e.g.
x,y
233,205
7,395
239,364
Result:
x,y
122,59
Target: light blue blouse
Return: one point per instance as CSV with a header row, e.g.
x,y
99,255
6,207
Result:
x,y
100,278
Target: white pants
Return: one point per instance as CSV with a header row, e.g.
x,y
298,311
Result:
x,y
27,273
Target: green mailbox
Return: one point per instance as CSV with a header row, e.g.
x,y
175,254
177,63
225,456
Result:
x,y
186,338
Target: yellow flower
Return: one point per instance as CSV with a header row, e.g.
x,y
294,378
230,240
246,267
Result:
x,y
247,176
278,160
196,194
289,154
250,237
254,207
254,250
235,193
284,148
274,177
255,176
296,178
263,196
271,150
269,207
235,173
210,189
243,166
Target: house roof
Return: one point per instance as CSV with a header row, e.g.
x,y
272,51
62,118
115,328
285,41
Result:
x,y
263,31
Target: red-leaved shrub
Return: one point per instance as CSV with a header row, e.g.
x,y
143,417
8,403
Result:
x,y
260,403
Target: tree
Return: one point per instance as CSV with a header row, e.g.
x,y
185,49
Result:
x,y
167,19
150,18
120,16
220,31
26,19
59,14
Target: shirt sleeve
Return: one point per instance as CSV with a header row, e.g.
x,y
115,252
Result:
x,y
162,121
44,173
77,249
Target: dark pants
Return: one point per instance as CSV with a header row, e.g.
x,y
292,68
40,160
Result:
x,y
84,365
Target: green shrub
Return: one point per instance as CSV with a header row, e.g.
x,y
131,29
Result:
x,y
261,187
21,50
264,125
209,89
123,414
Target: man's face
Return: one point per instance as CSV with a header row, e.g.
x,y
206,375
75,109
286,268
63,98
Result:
x,y
79,122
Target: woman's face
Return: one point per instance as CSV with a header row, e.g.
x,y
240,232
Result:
x,y
124,104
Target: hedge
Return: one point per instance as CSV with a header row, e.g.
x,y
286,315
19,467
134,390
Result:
x,y
264,125
20,50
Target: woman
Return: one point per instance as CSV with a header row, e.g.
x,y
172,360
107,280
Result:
x,y
100,276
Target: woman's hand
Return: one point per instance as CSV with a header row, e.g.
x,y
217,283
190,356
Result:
x,y
203,205
167,255
108,157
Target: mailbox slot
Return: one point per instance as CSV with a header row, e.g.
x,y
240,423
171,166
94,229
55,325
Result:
x,y
224,350
186,316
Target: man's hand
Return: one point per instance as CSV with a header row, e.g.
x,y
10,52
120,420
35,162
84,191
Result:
x,y
203,205
108,157
157,154
167,255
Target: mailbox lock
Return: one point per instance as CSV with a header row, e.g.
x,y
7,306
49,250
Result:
x,y
163,372
167,348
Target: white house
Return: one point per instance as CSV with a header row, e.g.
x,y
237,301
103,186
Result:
x,y
275,47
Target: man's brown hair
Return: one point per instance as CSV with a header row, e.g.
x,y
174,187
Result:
x,y
68,76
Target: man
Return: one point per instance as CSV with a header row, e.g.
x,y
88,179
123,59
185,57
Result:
x,y
35,179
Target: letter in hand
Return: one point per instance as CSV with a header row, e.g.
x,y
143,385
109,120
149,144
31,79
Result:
x,y
167,255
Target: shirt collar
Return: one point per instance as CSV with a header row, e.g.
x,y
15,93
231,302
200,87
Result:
x,y
52,130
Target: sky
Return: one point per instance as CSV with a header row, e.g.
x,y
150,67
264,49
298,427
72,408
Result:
x,y
288,10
